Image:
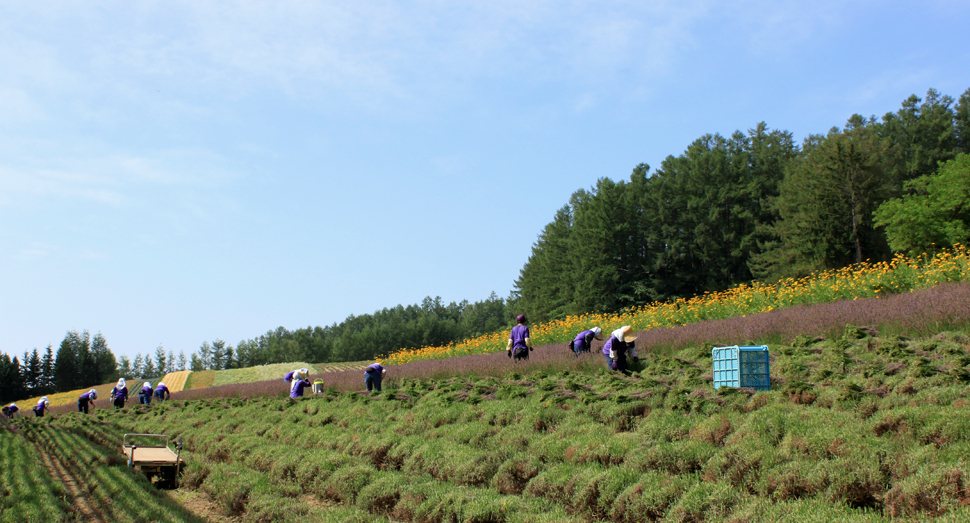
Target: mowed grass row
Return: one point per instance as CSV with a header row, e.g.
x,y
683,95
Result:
x,y
110,491
858,428
28,492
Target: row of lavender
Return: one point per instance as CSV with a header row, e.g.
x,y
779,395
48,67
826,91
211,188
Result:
x,y
918,313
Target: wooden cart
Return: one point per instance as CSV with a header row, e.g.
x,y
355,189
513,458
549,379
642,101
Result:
x,y
153,457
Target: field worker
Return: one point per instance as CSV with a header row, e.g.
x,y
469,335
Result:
x,y
584,340
119,394
145,394
373,375
616,349
87,397
519,344
299,382
162,392
11,409
43,405
288,377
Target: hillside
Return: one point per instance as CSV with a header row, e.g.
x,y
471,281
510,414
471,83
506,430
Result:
x,y
861,425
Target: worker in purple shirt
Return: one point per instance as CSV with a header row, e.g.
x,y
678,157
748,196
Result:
x,y
85,399
584,340
618,347
119,394
298,382
145,394
10,410
519,344
42,406
162,392
373,375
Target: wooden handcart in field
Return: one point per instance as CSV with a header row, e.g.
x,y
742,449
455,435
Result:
x,y
153,457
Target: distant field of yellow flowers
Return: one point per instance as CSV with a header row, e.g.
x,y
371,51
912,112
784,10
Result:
x,y
864,280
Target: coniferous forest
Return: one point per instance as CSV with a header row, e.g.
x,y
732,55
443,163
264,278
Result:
x,y
728,210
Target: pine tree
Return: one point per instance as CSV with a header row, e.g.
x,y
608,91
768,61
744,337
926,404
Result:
x,y
138,366
160,361
104,364
149,370
47,371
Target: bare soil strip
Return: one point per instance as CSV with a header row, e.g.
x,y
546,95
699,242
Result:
x,y
200,505
76,495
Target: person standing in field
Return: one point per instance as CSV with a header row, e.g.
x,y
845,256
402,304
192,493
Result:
x,y
161,392
10,410
42,406
520,344
299,382
119,394
373,375
618,347
85,399
145,394
584,340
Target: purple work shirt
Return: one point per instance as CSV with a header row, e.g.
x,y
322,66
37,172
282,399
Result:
x,y
619,347
161,389
40,406
374,367
146,390
584,339
13,408
288,376
86,397
296,390
518,336
119,393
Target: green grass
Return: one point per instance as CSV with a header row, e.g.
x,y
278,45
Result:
x,y
856,429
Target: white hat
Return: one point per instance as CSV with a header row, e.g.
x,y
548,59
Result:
x,y
45,400
121,382
597,333
625,333
147,384
161,384
93,393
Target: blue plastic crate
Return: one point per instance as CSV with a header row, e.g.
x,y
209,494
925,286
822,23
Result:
x,y
742,366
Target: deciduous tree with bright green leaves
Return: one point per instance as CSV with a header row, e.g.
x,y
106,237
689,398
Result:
x,y
936,215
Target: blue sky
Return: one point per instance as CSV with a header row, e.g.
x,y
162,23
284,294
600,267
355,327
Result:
x,y
176,172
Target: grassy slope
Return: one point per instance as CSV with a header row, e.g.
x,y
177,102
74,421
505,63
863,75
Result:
x,y
859,427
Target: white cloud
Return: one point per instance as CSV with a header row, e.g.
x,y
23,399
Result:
x,y
114,180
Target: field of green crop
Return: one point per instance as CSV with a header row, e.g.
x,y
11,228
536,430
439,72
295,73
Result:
x,y
266,372
858,427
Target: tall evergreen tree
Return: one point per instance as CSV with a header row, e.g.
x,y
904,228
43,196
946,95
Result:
x,y
68,366
47,370
11,379
125,369
161,361
103,362
962,122
826,203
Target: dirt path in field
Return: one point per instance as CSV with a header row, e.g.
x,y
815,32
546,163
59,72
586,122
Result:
x,y
75,495
200,505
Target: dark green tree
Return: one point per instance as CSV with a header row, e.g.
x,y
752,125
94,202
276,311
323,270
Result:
x,y
103,363
161,361
12,385
918,136
962,122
